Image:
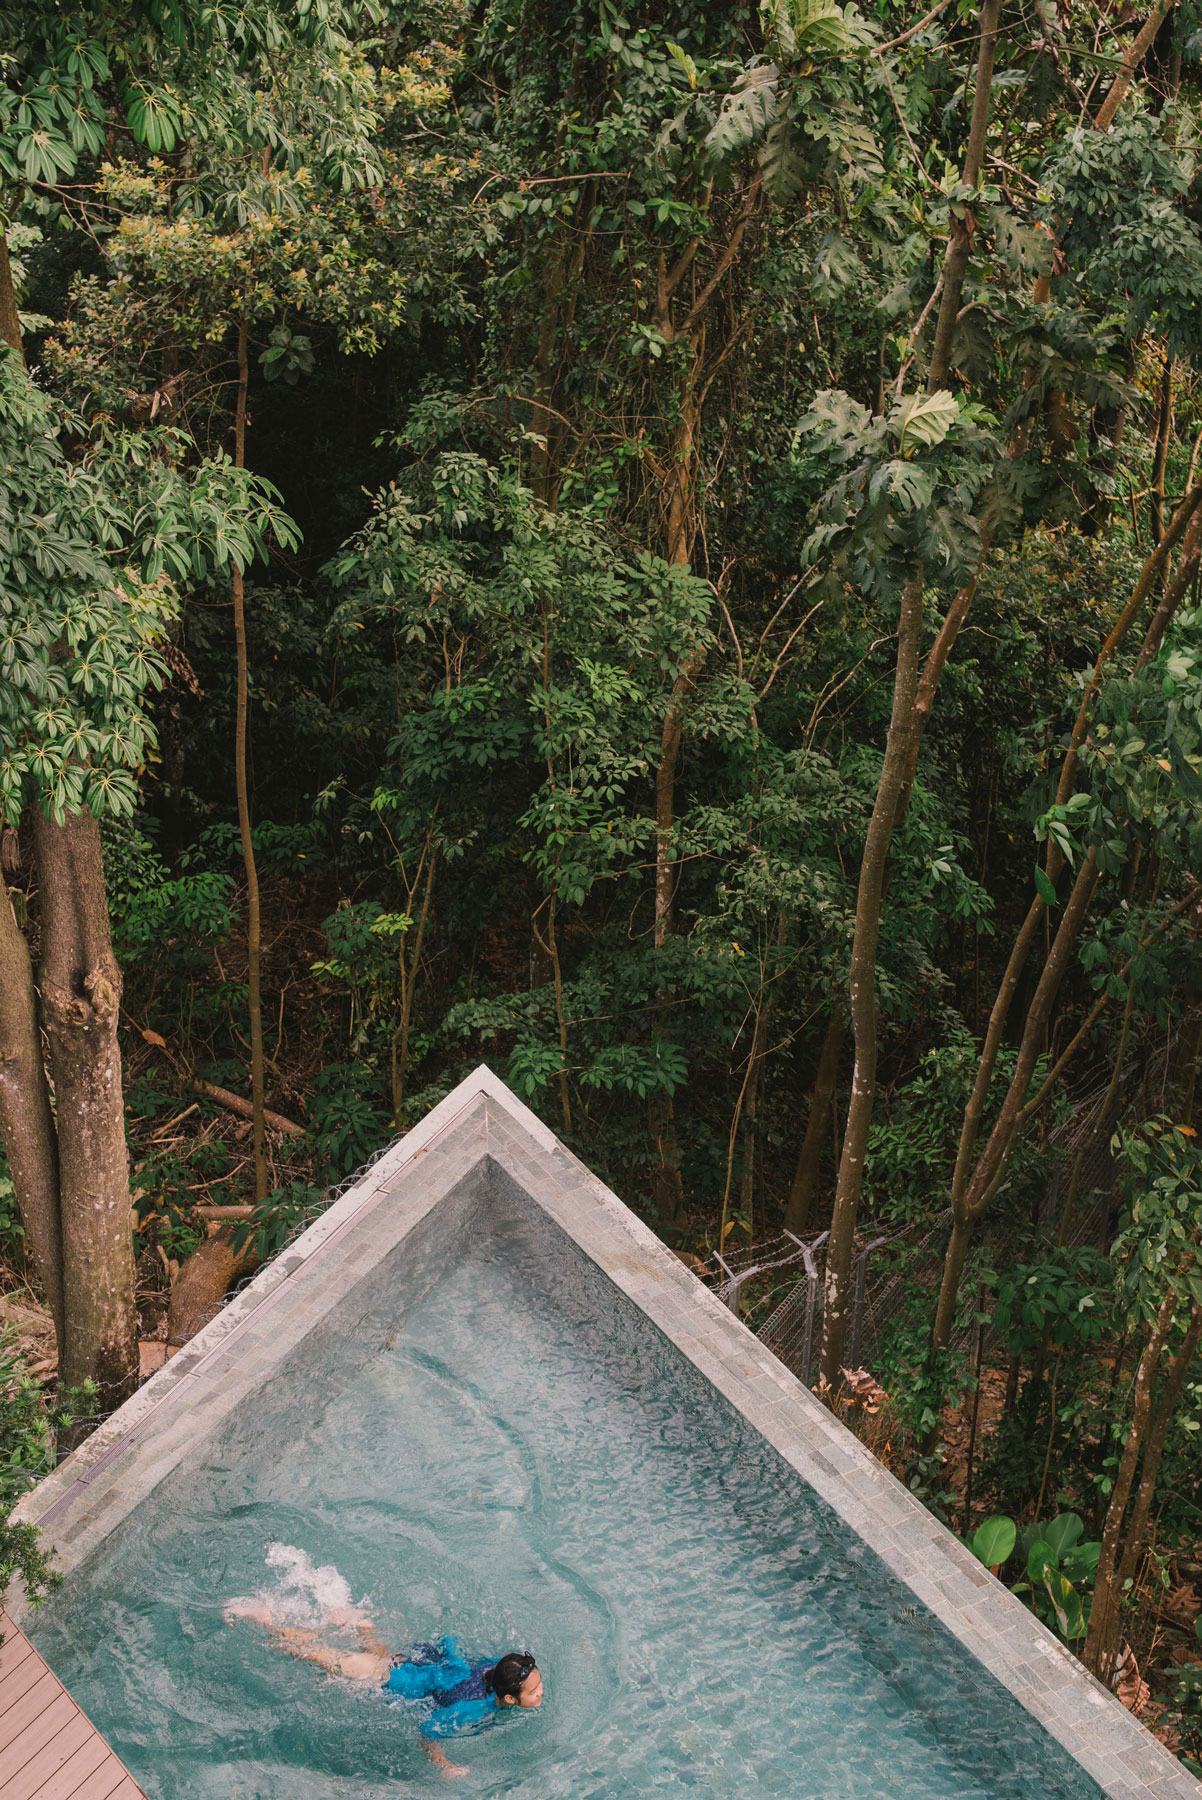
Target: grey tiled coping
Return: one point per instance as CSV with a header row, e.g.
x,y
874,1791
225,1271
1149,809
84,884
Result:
x,y
482,1139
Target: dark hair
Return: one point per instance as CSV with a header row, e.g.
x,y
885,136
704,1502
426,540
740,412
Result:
x,y
505,1678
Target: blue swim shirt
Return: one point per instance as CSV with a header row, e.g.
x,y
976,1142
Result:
x,y
452,1688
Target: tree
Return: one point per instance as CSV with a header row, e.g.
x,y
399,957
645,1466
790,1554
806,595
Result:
x,y
1160,1284
88,546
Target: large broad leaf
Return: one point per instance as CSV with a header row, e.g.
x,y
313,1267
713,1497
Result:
x,y
783,162
923,420
1040,1557
746,113
1080,1562
1064,1531
801,27
1026,248
837,267
910,488
1066,1604
994,1541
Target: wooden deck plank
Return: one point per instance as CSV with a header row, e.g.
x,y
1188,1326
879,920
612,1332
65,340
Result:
x,y
32,1704
98,1784
49,1723
96,1788
28,1780
49,1749
23,1677
67,1777
15,1648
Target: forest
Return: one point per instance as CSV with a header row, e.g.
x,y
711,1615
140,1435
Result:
x,y
658,548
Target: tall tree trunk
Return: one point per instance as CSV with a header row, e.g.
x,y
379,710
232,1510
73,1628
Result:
x,y
1166,1407
253,924
1139,47
869,906
667,1187
1160,455
409,966
1175,591
1103,1616
681,526
901,758
10,321
81,993
970,1207
971,1202
809,1157
961,225
26,1122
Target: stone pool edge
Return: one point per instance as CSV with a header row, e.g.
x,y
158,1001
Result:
x,y
482,1122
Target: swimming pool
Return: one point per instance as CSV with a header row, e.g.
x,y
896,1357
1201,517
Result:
x,y
510,1450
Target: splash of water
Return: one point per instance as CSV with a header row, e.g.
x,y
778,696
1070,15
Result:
x,y
304,1593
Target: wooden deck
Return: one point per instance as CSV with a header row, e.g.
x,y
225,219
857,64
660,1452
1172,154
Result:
x,y
48,1749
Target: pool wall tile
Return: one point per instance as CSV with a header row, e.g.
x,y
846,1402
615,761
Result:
x,y
480,1147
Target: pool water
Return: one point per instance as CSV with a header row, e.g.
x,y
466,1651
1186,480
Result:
x,y
516,1456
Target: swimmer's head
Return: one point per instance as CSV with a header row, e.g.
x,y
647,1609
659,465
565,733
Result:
x,y
515,1680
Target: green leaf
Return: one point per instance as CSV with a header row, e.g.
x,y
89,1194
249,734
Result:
x,y
1040,1556
783,163
1066,1604
1186,774
1063,1532
746,113
922,421
1044,886
684,61
1081,1561
993,1541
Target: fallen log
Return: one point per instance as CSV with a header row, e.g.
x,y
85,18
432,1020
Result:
x,y
236,1104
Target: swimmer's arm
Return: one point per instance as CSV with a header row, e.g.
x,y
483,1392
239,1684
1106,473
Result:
x,y
442,1763
371,1640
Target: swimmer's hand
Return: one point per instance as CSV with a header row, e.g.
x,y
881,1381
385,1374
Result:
x,y
442,1763
247,1612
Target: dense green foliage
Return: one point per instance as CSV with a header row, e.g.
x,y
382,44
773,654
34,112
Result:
x,y
589,459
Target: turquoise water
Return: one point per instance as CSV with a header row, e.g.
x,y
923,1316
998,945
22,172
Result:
x,y
517,1457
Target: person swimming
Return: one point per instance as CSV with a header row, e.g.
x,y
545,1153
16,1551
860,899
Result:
x,y
453,1694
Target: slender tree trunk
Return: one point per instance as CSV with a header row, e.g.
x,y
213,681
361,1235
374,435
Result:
x,y
1103,1617
1160,455
253,924
869,906
901,760
1166,1407
26,1122
542,422
1183,520
961,225
954,1259
81,993
972,1201
1176,589
10,322
409,972
809,1157
1140,45
667,1187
